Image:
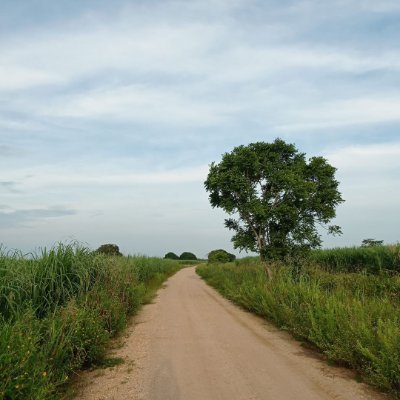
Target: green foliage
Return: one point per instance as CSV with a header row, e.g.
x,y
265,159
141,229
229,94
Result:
x,y
171,256
278,196
58,309
220,256
47,280
109,250
23,368
186,255
353,318
371,259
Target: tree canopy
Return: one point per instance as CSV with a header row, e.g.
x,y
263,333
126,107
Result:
x,y
172,256
220,256
109,249
371,243
275,197
186,255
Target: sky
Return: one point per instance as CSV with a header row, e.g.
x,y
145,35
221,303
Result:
x,y
112,111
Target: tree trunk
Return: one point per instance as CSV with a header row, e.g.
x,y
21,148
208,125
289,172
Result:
x,y
267,268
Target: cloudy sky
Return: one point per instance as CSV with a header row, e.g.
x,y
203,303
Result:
x,y
111,112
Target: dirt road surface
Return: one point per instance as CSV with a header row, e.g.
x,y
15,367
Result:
x,y
192,344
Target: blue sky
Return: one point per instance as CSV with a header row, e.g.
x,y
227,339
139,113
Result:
x,y
111,112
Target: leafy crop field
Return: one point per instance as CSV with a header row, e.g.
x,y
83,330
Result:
x,y
58,309
353,318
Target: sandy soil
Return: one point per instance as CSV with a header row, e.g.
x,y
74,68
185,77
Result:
x,y
192,344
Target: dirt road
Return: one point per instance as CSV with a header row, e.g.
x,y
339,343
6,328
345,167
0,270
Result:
x,y
192,344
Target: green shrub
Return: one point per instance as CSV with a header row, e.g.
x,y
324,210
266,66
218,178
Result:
x,y
109,250
187,256
171,256
220,256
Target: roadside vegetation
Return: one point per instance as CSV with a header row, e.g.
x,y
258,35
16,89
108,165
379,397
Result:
x,y
58,310
370,259
343,301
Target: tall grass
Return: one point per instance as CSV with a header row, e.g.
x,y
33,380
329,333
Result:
x,y
354,319
47,280
374,260
58,309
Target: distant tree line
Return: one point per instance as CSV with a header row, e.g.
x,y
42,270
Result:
x,y
214,256
186,255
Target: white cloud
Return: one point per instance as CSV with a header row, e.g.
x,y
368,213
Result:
x,y
15,77
369,180
340,8
123,45
343,112
9,124
212,50
241,62
195,72
382,6
367,162
140,103
63,177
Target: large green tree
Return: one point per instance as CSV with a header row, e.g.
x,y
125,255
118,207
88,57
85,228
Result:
x,y
172,256
187,255
220,256
276,198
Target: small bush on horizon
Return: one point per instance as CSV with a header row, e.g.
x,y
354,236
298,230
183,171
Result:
x,y
220,256
186,255
171,256
109,249
371,243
